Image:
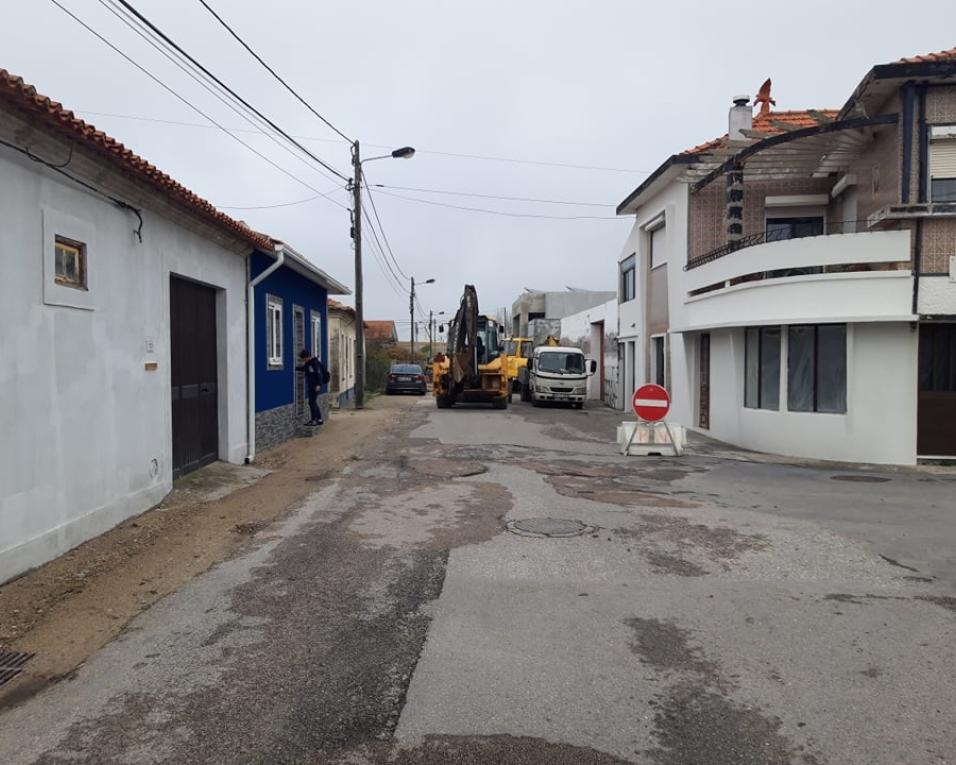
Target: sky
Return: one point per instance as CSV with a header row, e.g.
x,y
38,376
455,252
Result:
x,y
533,87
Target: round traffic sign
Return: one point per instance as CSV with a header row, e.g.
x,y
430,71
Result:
x,y
651,402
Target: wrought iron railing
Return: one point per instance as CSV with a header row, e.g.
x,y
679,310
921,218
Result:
x,y
747,241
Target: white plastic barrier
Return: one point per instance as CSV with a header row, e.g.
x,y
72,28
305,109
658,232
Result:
x,y
651,437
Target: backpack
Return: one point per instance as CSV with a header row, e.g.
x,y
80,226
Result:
x,y
325,373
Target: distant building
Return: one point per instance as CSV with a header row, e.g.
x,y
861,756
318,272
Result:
x,y
533,304
341,353
594,331
381,331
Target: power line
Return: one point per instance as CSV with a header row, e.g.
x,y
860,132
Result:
x,y
128,6
269,69
130,22
484,157
498,212
166,87
494,196
285,204
371,199
381,249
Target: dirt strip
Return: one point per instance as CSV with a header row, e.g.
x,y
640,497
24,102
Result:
x,y
67,609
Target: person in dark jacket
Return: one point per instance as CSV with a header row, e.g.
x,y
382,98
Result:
x,y
315,375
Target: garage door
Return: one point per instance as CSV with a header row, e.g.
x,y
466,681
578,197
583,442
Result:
x,y
195,399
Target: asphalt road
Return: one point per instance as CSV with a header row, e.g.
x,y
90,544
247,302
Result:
x,y
424,606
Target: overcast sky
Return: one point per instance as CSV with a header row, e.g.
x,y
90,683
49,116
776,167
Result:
x,y
607,84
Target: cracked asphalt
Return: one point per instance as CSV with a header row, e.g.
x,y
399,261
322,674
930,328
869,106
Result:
x,y
717,609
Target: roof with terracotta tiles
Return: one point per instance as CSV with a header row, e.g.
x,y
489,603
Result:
x,y
765,124
23,97
380,330
943,55
335,305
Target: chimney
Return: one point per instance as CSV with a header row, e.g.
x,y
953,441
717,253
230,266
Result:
x,y
741,118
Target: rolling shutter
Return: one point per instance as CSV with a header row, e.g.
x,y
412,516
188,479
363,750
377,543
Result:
x,y
942,158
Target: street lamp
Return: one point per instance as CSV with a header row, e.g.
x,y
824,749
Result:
x,y
411,309
406,152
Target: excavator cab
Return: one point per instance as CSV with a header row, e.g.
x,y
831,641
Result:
x,y
472,370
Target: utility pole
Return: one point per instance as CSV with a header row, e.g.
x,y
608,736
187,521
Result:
x,y
357,236
411,313
431,332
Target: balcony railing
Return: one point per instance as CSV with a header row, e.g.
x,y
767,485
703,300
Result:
x,y
751,240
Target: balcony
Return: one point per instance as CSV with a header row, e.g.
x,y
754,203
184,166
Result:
x,y
827,278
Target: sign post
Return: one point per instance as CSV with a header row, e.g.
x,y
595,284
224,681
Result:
x,y
651,403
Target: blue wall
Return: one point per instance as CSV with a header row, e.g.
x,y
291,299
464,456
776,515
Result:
x,y
275,387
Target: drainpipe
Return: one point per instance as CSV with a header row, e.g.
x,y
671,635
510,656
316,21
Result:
x,y
917,264
251,349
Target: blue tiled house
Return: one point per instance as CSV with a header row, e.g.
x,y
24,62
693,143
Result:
x,y
290,313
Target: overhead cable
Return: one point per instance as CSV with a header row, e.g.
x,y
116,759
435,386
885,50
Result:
x,y
269,69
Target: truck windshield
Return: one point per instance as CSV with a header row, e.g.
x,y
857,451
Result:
x,y
561,363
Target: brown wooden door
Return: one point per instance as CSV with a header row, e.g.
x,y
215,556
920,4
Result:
x,y
193,373
936,407
704,381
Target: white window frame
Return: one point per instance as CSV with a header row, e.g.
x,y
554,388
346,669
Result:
x,y
655,225
939,135
274,339
316,325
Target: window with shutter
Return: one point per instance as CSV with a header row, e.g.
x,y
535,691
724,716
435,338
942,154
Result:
x,y
942,163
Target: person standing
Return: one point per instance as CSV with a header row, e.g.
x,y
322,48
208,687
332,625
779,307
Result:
x,y
315,375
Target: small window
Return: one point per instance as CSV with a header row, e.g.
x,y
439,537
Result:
x,y
793,228
942,163
628,281
762,368
70,263
816,368
317,335
656,250
274,332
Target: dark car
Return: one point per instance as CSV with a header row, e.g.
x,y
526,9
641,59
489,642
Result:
x,y
406,378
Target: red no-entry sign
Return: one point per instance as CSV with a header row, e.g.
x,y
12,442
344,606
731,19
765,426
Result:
x,y
651,402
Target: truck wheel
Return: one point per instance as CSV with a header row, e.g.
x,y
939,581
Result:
x,y
577,405
525,393
499,402
444,402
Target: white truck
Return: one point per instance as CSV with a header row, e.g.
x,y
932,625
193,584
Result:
x,y
558,373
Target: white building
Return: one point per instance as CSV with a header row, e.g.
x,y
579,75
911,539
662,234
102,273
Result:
x,y
122,303
793,283
341,353
594,330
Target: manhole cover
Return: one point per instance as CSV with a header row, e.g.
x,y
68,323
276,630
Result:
x,y
548,527
860,478
11,664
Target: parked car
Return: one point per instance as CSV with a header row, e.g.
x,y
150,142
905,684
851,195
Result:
x,y
406,378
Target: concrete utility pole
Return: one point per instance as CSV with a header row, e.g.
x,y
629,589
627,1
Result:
x,y
411,313
431,332
357,236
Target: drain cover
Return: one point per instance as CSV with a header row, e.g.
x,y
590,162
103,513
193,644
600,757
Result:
x,y
11,664
548,527
860,478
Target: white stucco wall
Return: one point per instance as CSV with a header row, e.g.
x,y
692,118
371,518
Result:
x,y
937,295
86,429
879,425
581,330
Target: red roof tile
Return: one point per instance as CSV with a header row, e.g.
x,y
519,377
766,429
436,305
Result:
x,y
764,123
24,97
380,330
943,55
335,305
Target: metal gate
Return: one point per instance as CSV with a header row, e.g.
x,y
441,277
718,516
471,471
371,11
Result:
x,y
193,375
298,339
936,406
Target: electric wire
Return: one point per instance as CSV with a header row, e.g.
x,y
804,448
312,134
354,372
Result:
x,y
269,69
371,199
235,95
483,157
380,248
172,92
495,196
499,212
191,72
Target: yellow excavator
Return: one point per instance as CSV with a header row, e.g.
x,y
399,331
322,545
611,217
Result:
x,y
514,358
472,370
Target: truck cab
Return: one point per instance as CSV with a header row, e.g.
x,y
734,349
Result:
x,y
559,373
